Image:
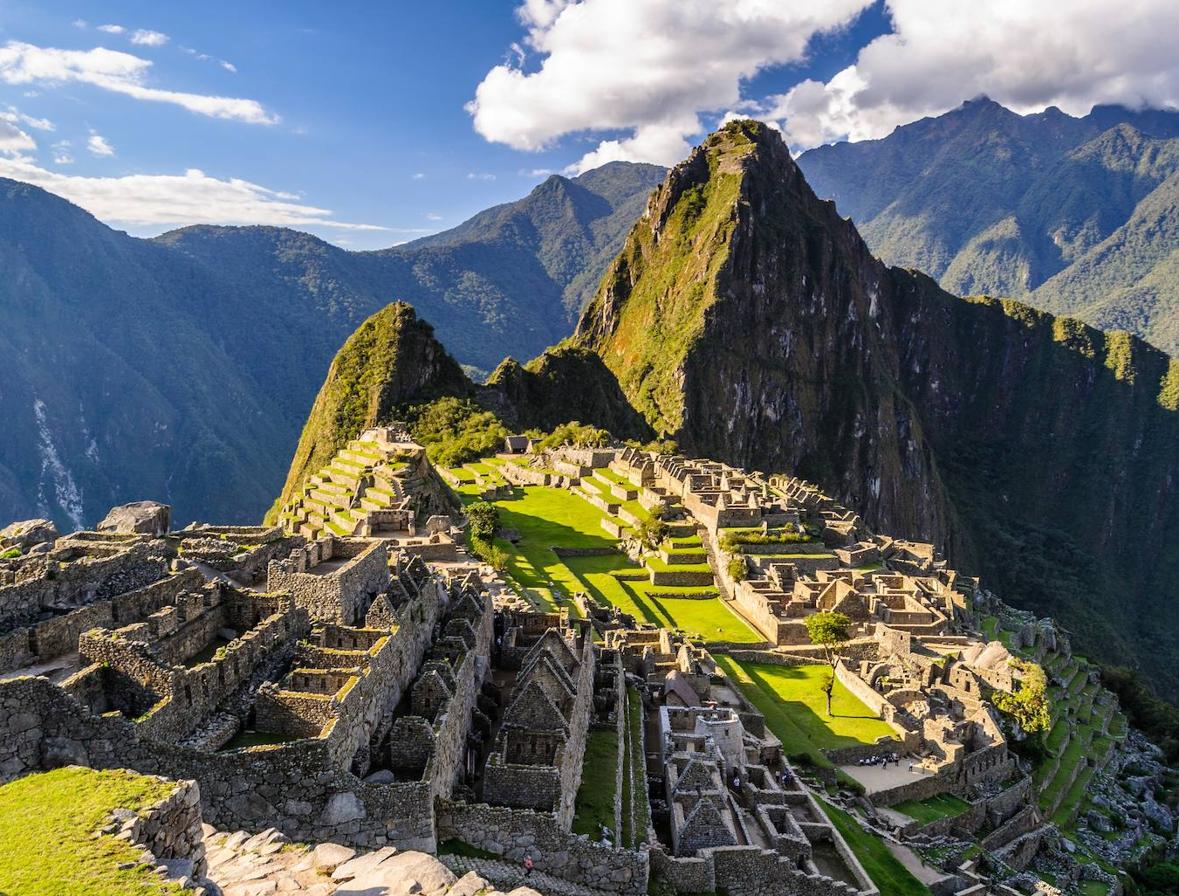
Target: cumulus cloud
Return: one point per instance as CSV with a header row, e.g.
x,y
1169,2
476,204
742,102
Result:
x,y
139,201
98,146
1025,55
14,141
648,68
61,153
109,29
118,72
147,38
479,175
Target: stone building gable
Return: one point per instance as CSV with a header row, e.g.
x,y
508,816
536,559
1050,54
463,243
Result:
x,y
696,775
552,678
552,642
704,827
381,613
532,710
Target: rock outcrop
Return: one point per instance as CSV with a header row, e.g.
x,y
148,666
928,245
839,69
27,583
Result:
x,y
26,533
138,518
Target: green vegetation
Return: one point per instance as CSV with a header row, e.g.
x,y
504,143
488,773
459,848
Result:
x,y
456,431
483,519
634,798
738,567
47,823
595,796
793,702
1159,719
574,433
944,805
456,847
1028,706
732,539
828,630
10,553
890,876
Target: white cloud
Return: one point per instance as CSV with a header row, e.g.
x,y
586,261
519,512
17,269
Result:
x,y
15,115
433,216
147,38
81,23
205,57
124,73
228,66
1026,55
417,175
156,201
98,146
479,175
61,153
648,68
14,141
111,29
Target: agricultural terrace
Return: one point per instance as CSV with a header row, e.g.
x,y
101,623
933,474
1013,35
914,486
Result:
x,y
539,518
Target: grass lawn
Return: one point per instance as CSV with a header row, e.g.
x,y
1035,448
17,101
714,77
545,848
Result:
x,y
890,876
46,823
546,517
791,699
595,797
710,619
942,806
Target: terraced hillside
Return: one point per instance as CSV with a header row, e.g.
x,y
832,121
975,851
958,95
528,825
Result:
x,y
562,541
364,485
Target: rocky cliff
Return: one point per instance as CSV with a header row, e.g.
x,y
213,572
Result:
x,y
745,318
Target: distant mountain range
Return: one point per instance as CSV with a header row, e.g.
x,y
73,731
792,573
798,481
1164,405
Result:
x,y
182,367
1077,216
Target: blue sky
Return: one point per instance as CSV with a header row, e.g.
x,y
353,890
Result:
x,y
372,123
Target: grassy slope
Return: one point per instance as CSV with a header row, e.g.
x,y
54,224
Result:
x,y
792,700
885,869
595,797
46,823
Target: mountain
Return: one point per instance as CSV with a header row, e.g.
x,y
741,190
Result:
x,y
747,319
1073,215
181,367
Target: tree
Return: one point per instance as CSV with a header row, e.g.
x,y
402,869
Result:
x,y
651,531
738,569
1028,703
483,518
829,630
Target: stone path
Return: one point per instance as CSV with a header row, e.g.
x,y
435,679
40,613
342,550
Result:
x,y
268,864
876,778
509,874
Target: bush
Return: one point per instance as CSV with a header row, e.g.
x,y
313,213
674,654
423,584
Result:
x,y
1028,705
576,434
456,431
489,553
483,518
732,539
651,532
737,567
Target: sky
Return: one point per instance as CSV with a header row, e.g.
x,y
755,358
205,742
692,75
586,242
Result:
x,y
373,123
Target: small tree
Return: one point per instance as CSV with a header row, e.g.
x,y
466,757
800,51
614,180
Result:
x,y
651,531
829,630
1028,703
483,518
737,567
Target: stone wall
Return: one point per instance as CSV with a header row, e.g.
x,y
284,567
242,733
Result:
x,y
44,641
516,833
170,828
341,595
748,871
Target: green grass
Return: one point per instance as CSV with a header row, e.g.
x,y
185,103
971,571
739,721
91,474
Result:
x,y
46,823
636,775
546,517
595,797
792,700
710,619
942,806
890,876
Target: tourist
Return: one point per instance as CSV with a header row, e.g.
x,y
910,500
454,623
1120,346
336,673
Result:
x,y
527,866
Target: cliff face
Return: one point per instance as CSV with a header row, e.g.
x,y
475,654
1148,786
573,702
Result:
x,y
749,321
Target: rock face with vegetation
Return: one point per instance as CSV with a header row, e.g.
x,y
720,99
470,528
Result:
x,y
749,321
182,367
1074,215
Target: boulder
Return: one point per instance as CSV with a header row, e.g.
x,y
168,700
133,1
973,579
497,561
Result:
x,y
26,533
327,857
138,518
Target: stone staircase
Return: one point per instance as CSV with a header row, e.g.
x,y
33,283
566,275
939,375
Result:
x,y
507,876
362,478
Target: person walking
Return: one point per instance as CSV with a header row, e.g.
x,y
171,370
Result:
x,y
527,866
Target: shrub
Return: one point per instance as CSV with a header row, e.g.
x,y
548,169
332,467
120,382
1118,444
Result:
x,y
651,532
1028,704
456,431
10,553
579,435
489,553
732,539
484,521
737,567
